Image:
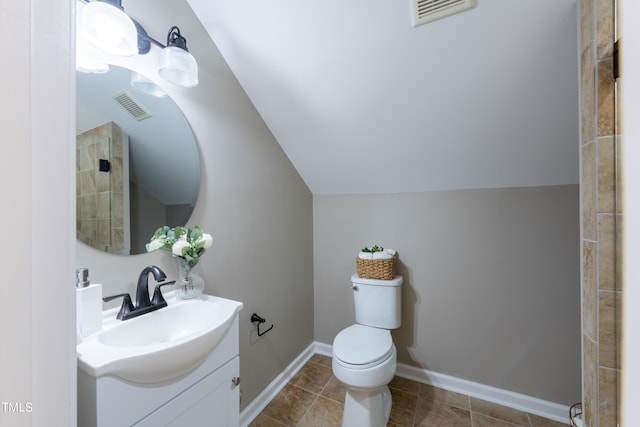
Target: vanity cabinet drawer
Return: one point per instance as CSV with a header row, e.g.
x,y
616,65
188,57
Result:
x,y
214,401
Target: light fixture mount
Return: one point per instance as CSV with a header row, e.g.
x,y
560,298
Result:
x,y
174,38
144,41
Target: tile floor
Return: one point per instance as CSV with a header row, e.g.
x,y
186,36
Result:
x,y
314,398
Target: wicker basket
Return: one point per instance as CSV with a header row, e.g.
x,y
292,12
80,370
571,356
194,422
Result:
x,y
381,269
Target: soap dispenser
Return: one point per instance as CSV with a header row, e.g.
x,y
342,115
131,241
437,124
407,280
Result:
x,y
88,304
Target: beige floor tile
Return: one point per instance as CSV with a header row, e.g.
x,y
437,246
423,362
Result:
x,y
334,390
263,420
445,396
498,411
290,405
537,421
323,413
321,360
405,384
479,420
312,377
315,398
430,413
403,407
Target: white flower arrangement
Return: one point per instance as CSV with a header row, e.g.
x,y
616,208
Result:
x,y
188,244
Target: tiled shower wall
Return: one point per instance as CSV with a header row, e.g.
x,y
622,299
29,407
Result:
x,y
100,195
601,215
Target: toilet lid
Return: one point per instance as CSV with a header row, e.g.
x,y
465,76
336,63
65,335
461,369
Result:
x,y
362,345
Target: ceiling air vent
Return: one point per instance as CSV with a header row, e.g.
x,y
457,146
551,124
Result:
x,y
423,11
130,104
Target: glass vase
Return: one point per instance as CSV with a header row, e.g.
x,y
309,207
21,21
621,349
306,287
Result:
x,y
189,284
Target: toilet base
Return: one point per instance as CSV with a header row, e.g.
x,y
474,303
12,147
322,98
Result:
x,y
366,408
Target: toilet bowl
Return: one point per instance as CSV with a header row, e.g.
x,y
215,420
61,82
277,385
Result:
x,y
364,356
364,359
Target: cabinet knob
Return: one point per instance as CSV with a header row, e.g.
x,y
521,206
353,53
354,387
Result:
x,y
235,382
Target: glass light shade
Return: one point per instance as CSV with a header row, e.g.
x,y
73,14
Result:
x,y
109,28
92,67
178,66
144,85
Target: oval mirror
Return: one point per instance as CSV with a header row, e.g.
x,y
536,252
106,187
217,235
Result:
x,y
137,163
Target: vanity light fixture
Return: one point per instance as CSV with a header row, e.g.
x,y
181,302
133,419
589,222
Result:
x,y
146,86
105,25
177,65
85,65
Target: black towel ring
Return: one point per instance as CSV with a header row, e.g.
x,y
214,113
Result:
x,y
259,320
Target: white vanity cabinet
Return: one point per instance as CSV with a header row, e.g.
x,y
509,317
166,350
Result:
x,y
207,396
213,401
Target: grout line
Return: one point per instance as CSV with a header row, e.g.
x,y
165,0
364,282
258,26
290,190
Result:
x,y
307,410
529,420
317,395
508,423
277,421
415,408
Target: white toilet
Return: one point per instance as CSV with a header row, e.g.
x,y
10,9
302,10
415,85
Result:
x,y
364,357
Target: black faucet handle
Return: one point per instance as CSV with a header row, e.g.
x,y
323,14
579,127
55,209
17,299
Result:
x,y
158,299
127,305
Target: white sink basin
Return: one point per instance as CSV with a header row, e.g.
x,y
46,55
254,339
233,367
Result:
x,y
160,345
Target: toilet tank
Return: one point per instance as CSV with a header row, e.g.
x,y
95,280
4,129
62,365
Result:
x,y
378,303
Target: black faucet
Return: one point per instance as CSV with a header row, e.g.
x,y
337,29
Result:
x,y
143,304
142,290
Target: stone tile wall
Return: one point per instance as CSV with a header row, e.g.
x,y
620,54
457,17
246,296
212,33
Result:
x,y
99,195
602,209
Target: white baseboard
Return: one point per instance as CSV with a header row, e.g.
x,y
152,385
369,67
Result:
x,y
521,402
323,349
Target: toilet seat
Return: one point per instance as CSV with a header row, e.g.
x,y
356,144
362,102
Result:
x,y
362,347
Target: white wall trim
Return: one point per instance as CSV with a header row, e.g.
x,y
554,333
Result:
x,y
521,402
323,349
253,409
518,401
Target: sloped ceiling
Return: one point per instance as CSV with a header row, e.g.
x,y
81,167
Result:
x,y
363,102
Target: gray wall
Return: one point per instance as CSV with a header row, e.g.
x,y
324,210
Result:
x,y
491,291
146,213
251,200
